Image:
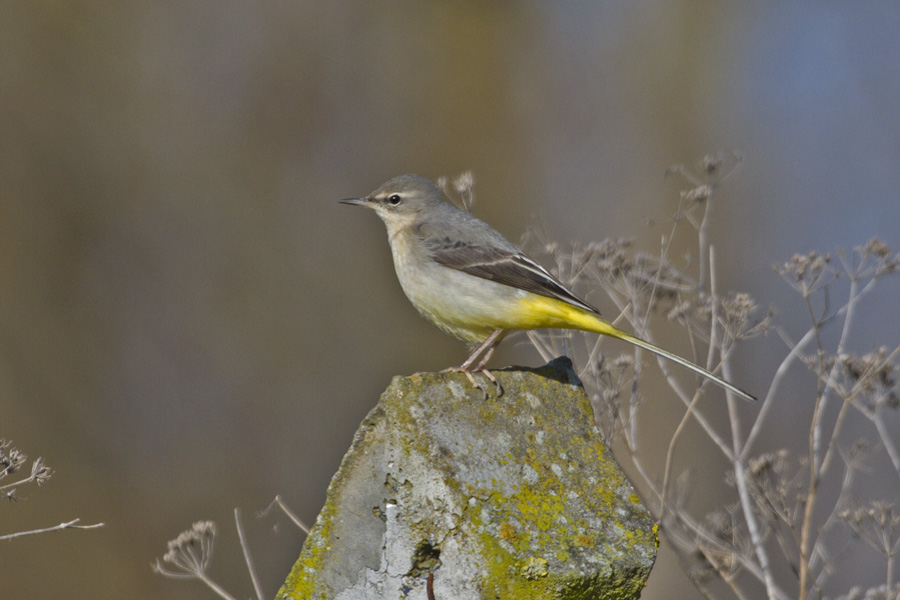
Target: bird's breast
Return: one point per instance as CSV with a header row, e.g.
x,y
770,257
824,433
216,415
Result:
x,y
465,306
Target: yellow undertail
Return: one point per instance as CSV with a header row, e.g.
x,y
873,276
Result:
x,y
542,312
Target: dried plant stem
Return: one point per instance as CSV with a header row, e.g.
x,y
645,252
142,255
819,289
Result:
x,y
888,444
215,587
247,558
670,452
67,525
740,478
287,511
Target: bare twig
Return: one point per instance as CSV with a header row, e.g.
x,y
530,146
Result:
x,y
280,504
247,558
67,525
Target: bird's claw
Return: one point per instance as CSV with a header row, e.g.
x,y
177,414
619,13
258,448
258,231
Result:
x,y
469,375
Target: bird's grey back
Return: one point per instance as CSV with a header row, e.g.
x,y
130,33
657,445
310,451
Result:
x,y
447,225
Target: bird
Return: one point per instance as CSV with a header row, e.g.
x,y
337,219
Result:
x,y
470,281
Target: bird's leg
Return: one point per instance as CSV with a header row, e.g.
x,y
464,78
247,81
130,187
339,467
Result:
x,y
485,349
491,342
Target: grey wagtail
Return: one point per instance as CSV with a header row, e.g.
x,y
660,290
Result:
x,y
471,282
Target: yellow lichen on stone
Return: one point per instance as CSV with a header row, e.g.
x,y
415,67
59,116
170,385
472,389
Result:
x,y
508,533
534,568
583,541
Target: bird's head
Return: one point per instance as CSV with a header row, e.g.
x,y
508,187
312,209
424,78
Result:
x,y
401,201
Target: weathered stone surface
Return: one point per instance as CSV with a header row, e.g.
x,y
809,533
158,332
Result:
x,y
506,497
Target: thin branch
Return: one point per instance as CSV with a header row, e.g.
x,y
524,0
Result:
x,y
769,401
67,525
740,475
886,441
247,558
296,520
670,454
214,586
794,354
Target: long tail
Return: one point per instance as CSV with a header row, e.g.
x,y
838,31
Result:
x,y
600,325
537,311
683,362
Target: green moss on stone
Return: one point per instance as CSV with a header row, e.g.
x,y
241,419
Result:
x,y
557,495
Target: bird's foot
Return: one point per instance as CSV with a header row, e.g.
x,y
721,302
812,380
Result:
x,y
474,382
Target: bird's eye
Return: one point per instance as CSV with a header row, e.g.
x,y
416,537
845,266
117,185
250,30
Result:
x,y
394,199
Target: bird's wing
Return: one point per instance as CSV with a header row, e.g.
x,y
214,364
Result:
x,y
506,265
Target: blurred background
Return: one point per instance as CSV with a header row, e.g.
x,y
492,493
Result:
x,y
189,322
